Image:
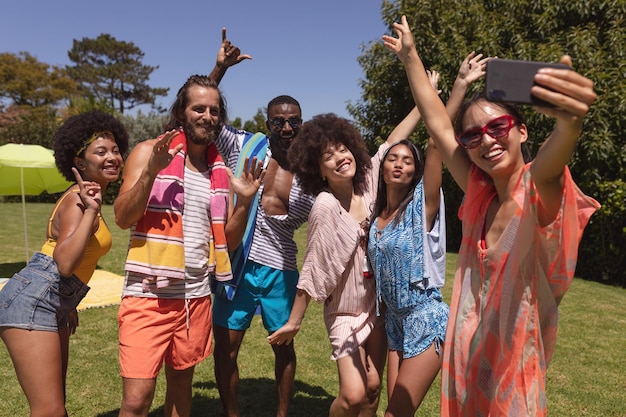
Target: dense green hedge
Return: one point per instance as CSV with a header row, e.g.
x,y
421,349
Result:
x,y
593,33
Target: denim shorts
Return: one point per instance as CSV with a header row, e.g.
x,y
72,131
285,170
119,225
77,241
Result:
x,y
412,330
38,298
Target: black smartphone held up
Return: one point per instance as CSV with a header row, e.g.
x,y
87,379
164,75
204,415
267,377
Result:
x,y
510,80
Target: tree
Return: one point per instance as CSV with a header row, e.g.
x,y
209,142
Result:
x,y
84,103
257,124
113,70
593,33
32,126
27,82
144,126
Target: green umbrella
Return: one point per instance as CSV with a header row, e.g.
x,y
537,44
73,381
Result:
x,y
29,170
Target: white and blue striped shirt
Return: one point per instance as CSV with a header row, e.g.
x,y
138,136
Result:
x,y
272,242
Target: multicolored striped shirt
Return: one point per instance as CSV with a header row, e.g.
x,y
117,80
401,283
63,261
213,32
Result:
x,y
157,246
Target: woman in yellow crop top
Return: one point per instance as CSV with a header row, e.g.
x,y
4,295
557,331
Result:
x,y
38,304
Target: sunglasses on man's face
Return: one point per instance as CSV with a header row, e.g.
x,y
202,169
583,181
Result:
x,y
279,122
496,128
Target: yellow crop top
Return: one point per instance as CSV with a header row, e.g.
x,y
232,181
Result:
x,y
98,245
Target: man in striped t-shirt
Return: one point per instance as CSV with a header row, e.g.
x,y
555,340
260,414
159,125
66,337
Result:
x,y
175,198
270,271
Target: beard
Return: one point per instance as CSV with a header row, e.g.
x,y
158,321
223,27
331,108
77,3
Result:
x,y
200,135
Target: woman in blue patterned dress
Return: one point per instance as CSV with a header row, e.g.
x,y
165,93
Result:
x,y
407,249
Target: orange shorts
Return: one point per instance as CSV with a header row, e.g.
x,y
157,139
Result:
x,y
153,330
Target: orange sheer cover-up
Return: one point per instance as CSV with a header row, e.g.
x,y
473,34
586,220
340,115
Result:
x,y
504,307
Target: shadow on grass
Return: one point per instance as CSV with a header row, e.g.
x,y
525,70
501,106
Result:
x,y
257,397
8,269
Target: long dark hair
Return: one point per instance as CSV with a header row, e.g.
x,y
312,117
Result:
x,y
509,108
177,110
381,198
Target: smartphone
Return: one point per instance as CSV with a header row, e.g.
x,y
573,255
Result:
x,y
510,80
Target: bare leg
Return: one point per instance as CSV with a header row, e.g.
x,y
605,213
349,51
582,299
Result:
x,y
352,386
179,391
393,367
227,344
360,378
64,339
373,357
137,397
36,356
285,372
415,376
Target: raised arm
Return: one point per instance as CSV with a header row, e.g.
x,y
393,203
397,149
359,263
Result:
x,y
141,168
227,56
407,126
432,110
572,93
76,225
432,181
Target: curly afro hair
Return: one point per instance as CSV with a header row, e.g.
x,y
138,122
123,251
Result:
x,y
314,137
76,130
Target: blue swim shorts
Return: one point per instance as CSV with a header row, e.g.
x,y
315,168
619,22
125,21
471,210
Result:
x,y
412,330
38,298
271,289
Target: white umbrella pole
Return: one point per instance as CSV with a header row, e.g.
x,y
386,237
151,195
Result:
x,y
24,213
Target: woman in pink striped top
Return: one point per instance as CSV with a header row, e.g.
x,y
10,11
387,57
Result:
x,y
331,160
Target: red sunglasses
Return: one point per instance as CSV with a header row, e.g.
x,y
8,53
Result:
x,y
496,128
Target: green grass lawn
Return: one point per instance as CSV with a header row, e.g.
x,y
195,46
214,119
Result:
x,y
587,376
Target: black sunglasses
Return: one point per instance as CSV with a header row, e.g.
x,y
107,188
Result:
x,y
279,122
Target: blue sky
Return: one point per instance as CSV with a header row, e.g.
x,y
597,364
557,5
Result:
x,y
307,49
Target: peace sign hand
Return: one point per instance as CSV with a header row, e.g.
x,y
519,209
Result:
x,y
90,192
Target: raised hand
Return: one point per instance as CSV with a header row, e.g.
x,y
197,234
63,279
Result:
x,y
90,192
404,43
472,67
229,54
162,155
433,77
251,178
